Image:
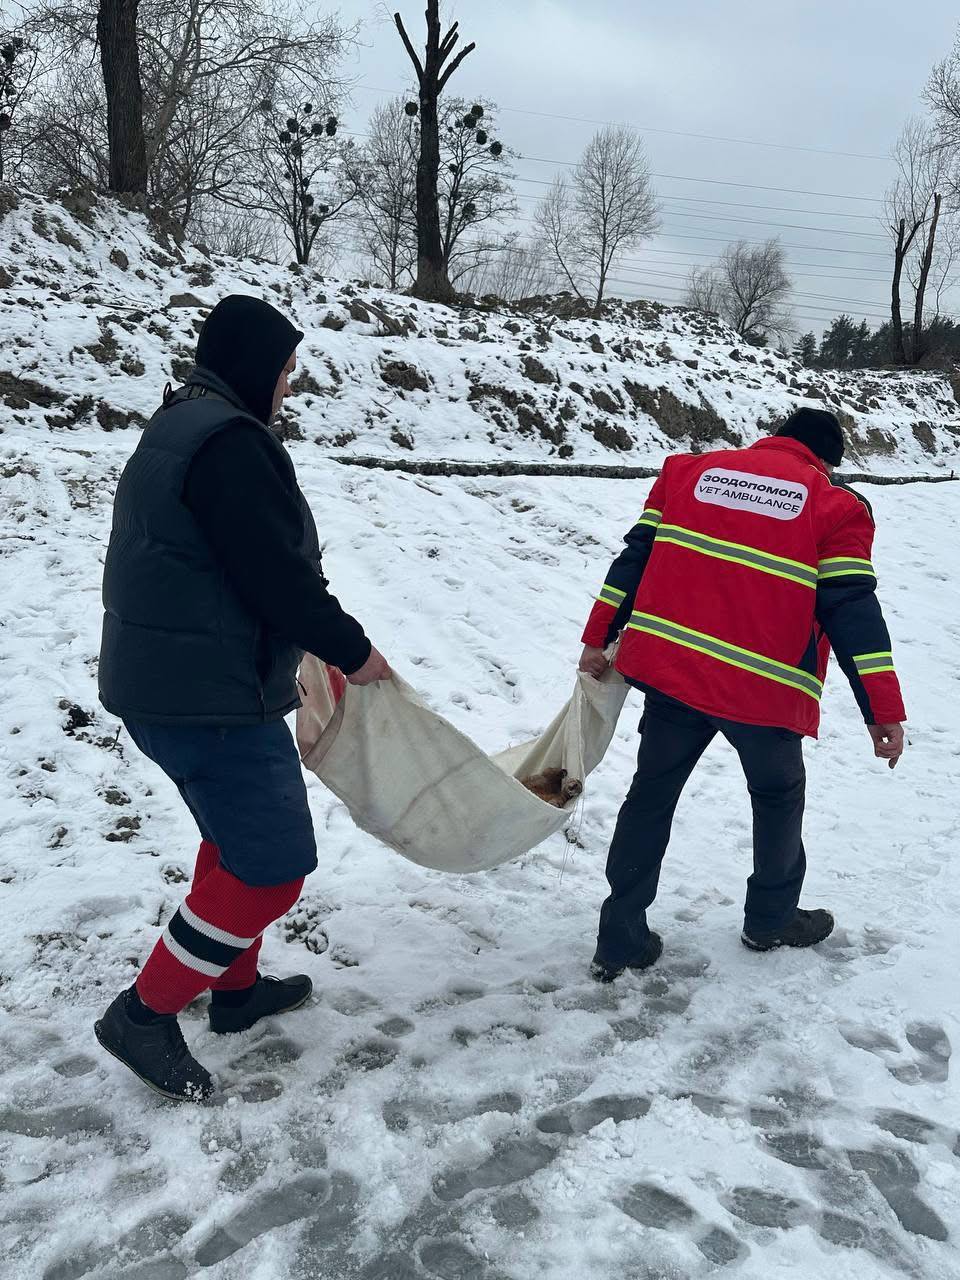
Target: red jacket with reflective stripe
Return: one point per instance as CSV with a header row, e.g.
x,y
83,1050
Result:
x,y
742,566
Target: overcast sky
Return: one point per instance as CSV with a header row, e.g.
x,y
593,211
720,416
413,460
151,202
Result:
x,y
831,75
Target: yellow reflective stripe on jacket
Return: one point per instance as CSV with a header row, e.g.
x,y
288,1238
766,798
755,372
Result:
x,y
735,656
739,553
650,516
873,663
844,566
611,595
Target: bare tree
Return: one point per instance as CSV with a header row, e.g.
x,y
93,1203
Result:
x,y
73,38
942,95
433,75
473,188
748,288
609,209
909,206
120,60
20,70
68,131
474,185
237,233
210,64
705,290
923,275
556,227
614,201
205,66
387,185
946,261
299,175
520,269
755,289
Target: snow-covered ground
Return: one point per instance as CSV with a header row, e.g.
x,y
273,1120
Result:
x,y
460,1100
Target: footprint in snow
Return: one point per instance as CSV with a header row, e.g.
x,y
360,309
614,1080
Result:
x,y
300,1198
325,1243
929,1041
270,1051
843,947
449,1259
511,1161
908,1127
661,1210
59,1122
395,1027
456,994
352,1002
762,1208
896,1176
136,1251
76,1065
399,1112
581,1116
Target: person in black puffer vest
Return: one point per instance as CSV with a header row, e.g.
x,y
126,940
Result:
x,y
213,590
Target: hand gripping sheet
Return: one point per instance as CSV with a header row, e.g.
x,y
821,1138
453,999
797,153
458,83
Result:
x,y
408,777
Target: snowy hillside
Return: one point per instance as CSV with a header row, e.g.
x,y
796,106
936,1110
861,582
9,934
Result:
x,y
99,308
460,1101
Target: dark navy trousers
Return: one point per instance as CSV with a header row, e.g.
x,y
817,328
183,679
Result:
x,y
673,738
245,789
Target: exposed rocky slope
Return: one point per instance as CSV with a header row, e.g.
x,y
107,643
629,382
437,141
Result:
x,y
100,306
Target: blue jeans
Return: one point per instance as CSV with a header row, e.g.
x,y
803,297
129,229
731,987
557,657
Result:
x,y
245,789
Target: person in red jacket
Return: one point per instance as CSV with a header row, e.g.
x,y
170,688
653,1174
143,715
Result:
x,y
744,568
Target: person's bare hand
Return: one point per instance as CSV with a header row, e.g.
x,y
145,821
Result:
x,y
887,742
375,668
592,661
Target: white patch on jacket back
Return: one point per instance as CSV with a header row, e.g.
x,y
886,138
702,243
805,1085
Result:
x,y
764,495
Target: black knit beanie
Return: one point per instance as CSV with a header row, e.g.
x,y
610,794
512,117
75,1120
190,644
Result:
x,y
819,431
246,342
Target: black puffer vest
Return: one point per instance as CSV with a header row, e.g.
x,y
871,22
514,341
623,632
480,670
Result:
x,y
178,645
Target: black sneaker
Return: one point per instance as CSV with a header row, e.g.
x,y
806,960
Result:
x,y
155,1051
267,996
806,929
602,971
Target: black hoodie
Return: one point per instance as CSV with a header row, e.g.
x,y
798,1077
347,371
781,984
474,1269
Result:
x,y
245,505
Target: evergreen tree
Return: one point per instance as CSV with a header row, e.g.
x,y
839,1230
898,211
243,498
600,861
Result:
x,y
836,343
805,350
860,353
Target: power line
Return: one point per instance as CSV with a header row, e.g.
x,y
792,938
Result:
x,y
691,253
797,293
784,244
683,177
758,222
788,226
775,208
791,271
807,307
736,204
674,133
733,204
723,182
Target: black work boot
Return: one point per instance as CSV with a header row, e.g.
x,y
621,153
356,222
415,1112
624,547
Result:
x,y
238,1010
602,971
806,929
155,1051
